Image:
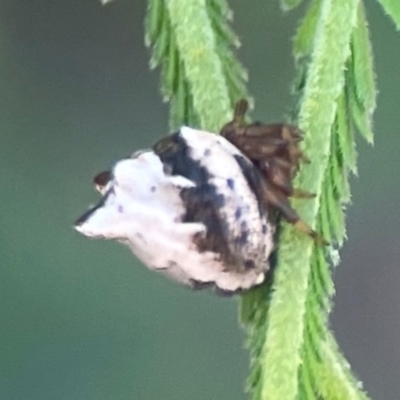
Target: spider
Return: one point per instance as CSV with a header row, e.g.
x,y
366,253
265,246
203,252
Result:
x,y
201,208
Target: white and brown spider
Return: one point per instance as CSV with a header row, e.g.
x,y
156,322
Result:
x,y
201,207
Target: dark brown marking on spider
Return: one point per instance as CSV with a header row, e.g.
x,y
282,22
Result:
x,y
249,264
203,203
274,150
85,216
101,180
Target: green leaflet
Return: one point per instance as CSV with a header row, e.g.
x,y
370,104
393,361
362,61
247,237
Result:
x,y
392,8
154,20
305,35
161,45
361,119
335,380
360,90
362,63
345,133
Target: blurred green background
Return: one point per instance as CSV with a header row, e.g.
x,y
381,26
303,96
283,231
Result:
x,y
82,319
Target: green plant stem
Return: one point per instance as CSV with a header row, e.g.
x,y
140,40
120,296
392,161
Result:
x,y
197,45
284,338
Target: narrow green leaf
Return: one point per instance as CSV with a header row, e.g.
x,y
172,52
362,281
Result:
x,y
153,21
315,329
323,273
173,71
289,4
392,8
304,38
306,390
178,102
236,77
345,134
336,214
222,28
334,378
192,117
337,174
361,119
362,63
252,304
324,219
166,91
161,45
221,7
317,286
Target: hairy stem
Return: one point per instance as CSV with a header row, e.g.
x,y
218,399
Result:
x,y
284,337
197,45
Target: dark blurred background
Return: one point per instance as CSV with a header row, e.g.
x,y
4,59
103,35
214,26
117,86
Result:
x,y
81,319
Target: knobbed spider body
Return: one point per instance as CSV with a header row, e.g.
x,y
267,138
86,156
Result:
x,y
198,206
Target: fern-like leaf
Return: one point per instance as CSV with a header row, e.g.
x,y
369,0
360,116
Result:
x,y
296,327
331,376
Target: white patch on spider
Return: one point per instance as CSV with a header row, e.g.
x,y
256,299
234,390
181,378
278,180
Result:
x,y
142,207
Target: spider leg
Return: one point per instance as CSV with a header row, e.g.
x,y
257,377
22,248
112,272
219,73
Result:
x,y
236,127
279,172
241,108
279,176
257,150
296,154
278,200
293,135
289,133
